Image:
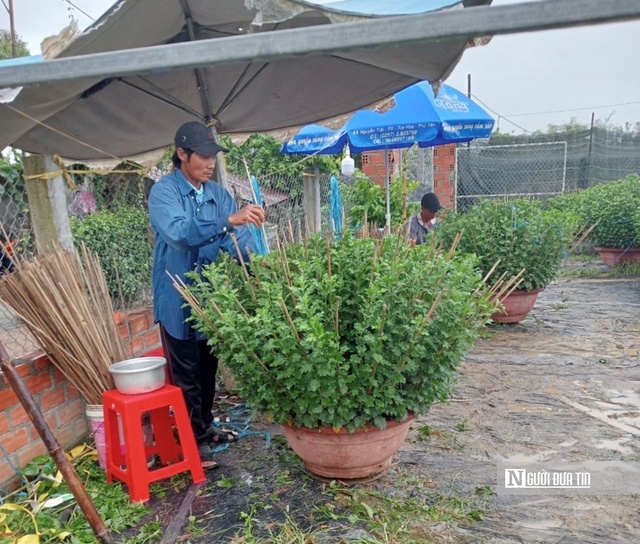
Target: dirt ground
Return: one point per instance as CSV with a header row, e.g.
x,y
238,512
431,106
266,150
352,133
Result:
x,y
563,385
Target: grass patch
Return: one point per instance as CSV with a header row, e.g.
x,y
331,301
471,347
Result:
x,y
625,269
44,510
392,520
583,257
585,271
463,426
363,516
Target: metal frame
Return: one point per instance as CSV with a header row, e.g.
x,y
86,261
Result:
x,y
326,39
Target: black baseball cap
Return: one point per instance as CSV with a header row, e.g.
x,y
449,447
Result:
x,y
430,202
197,137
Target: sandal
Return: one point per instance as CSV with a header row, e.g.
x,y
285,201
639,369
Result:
x,y
206,457
221,436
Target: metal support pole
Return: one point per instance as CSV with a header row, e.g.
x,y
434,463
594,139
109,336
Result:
x,y
56,451
593,118
403,154
328,39
221,166
387,191
12,27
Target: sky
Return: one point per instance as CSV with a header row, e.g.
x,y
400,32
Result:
x,y
526,81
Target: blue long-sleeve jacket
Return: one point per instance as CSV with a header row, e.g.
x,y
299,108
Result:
x,y
188,236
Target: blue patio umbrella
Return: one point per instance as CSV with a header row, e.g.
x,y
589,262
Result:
x,y
314,139
259,235
335,207
418,116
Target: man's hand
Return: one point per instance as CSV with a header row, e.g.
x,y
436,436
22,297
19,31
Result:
x,y
251,213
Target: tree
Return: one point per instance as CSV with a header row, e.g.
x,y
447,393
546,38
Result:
x,y
5,46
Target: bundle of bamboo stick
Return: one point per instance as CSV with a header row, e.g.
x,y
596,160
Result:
x,y
63,299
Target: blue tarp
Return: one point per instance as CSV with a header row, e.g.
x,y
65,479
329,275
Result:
x,y
18,61
258,234
388,7
336,208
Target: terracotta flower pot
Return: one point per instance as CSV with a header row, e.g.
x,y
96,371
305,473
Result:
x,y
612,256
516,306
343,455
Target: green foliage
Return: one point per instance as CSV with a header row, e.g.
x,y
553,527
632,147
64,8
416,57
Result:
x,y
46,511
518,232
263,156
6,50
113,190
613,206
340,334
568,131
366,196
409,520
121,240
11,180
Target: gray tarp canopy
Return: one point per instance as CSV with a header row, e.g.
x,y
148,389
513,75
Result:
x,y
87,119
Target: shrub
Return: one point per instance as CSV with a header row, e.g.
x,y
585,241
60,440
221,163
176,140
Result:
x,y
366,196
518,232
121,239
343,334
613,206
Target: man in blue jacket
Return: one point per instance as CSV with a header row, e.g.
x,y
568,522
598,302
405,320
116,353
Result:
x,y
192,218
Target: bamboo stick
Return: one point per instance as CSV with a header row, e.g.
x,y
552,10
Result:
x,y
255,201
63,300
244,268
328,241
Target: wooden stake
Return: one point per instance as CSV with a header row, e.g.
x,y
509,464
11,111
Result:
x,y
64,465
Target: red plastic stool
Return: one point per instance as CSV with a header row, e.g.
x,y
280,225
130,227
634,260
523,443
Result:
x,y
128,461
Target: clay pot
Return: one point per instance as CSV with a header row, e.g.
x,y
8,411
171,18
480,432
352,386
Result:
x,y
612,256
516,306
343,455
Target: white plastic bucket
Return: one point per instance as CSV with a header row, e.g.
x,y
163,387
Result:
x,y
95,415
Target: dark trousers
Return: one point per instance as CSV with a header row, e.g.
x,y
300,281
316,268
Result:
x,y
192,367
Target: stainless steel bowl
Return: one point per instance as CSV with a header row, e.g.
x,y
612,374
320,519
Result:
x,y
141,375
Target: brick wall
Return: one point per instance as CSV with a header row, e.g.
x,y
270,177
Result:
x,y
374,168
60,402
444,174
444,171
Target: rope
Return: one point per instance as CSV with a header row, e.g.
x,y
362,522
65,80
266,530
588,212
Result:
x,y
64,134
26,482
70,182
628,248
240,422
68,174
